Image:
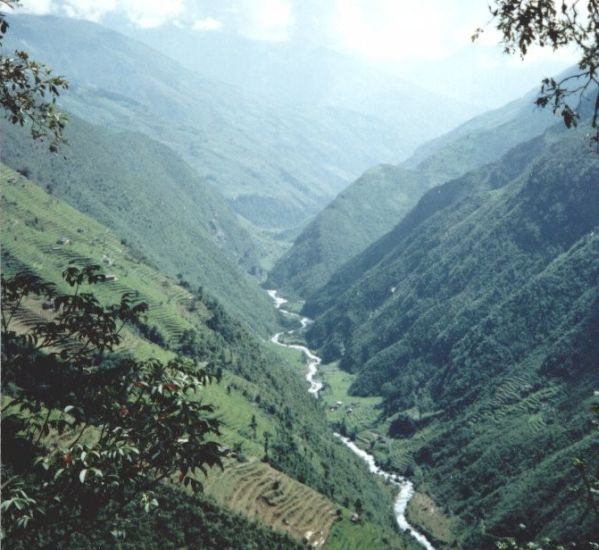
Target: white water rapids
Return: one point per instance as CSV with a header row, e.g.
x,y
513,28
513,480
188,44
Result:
x,y
405,486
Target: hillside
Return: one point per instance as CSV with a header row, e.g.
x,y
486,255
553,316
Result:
x,y
301,72
476,321
43,235
155,202
276,164
357,217
379,199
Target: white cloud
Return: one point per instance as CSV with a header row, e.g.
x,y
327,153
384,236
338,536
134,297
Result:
x,y
37,7
207,24
393,30
152,13
265,19
143,13
92,10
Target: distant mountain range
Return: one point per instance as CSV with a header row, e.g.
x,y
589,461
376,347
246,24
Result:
x,y
379,199
302,73
277,163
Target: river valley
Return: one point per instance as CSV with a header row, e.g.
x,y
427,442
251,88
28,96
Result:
x,y
404,486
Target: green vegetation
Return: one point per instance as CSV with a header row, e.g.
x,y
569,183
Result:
x,y
379,199
43,235
476,320
156,204
28,91
77,444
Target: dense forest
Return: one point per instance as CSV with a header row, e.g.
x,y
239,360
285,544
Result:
x,y
260,291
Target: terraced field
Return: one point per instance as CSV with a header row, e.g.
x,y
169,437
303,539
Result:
x,y
257,490
43,235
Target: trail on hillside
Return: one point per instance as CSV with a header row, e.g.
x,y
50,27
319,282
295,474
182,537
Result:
x,y
405,486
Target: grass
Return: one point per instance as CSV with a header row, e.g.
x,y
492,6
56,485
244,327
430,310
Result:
x,y
34,222
360,414
423,512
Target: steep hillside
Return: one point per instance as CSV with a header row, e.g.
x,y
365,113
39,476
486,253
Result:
x,y
299,72
357,217
155,202
378,200
43,235
276,164
476,320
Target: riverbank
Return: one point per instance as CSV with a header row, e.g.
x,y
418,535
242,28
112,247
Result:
x,y
404,486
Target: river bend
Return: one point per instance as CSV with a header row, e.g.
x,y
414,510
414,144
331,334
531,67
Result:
x,y
405,486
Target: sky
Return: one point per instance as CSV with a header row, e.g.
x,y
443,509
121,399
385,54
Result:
x,y
387,30
407,35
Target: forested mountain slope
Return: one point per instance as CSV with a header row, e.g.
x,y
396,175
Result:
x,y
379,199
262,396
476,318
357,217
301,72
276,164
155,202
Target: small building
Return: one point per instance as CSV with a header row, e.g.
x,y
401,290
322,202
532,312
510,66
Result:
x,y
108,278
355,518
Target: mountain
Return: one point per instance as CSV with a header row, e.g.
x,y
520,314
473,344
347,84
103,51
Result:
x,y
477,320
291,487
358,216
379,199
301,72
155,202
276,164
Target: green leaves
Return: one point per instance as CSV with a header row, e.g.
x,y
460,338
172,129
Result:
x,y
523,24
24,85
119,428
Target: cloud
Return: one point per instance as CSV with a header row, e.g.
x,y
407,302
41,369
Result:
x,y
142,13
207,24
38,7
393,30
152,13
270,20
92,10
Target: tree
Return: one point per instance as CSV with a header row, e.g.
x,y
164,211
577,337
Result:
x,y
28,91
87,430
555,24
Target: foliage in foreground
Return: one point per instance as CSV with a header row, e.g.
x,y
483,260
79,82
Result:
x,y
25,86
87,431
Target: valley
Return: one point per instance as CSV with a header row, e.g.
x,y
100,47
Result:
x,y
263,289
405,489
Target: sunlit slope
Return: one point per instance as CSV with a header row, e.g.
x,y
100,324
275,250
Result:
x,y
381,197
476,319
357,217
276,164
156,203
43,235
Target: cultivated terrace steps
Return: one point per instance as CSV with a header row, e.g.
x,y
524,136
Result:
x,y
259,491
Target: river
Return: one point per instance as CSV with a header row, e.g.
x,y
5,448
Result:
x,y
405,486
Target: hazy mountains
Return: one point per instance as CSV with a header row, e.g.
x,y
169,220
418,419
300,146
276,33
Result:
x,y
378,200
302,72
276,163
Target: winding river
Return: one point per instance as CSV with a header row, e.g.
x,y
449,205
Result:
x,y
405,486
